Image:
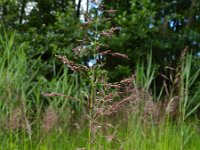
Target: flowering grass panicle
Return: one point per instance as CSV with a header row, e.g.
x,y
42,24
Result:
x,y
50,120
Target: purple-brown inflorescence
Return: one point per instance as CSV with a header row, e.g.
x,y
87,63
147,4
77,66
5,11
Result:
x,y
50,119
73,66
16,120
110,32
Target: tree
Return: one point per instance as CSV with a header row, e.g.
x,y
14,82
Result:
x,y
165,27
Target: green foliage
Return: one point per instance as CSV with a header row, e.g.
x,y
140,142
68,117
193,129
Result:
x,y
13,71
119,72
145,74
21,85
45,37
166,136
28,68
162,27
133,135
187,81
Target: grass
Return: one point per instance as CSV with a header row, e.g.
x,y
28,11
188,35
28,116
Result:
x,y
166,136
22,106
23,110
135,136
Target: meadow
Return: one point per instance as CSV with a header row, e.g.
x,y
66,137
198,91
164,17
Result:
x,y
84,111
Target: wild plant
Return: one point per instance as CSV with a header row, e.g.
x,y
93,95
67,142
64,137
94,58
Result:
x,y
14,83
99,94
102,98
178,90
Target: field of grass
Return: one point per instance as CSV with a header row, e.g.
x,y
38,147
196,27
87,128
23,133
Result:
x,y
134,137
31,121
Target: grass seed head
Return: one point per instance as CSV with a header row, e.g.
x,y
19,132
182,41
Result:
x,y
16,119
50,119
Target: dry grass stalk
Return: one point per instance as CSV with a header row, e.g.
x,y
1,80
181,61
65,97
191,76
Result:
x,y
105,52
53,94
120,55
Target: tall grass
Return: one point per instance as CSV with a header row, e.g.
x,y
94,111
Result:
x,y
166,136
22,106
31,121
187,81
145,74
13,67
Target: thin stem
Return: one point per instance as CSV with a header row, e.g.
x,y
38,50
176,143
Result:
x,y
92,82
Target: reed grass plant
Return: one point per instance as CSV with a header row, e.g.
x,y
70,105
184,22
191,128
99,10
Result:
x,y
82,110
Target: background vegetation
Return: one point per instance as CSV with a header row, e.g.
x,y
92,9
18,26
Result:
x,y
130,78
